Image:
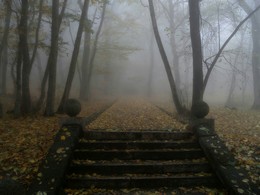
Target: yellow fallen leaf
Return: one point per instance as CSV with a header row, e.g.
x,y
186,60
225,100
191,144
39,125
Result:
x,y
62,137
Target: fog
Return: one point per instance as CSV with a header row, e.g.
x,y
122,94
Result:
x,y
128,61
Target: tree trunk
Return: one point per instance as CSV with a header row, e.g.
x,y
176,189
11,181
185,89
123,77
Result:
x,y
151,69
94,51
18,86
175,97
46,72
256,61
176,63
26,69
52,61
74,58
36,44
85,61
4,46
194,9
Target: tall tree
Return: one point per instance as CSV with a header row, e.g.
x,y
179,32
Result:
x,y
74,57
175,97
47,69
26,68
194,8
86,55
52,60
94,49
4,46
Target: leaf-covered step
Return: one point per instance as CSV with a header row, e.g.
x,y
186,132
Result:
x,y
139,167
125,145
136,135
138,154
142,181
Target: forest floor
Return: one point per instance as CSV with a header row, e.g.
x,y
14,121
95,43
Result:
x,y
25,141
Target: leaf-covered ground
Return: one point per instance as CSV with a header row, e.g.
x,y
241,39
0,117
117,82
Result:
x,y
135,114
241,132
25,141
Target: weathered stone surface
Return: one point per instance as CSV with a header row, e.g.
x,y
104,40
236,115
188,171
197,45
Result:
x,y
11,187
200,109
50,176
72,107
203,127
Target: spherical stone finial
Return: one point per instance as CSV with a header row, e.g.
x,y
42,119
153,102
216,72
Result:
x,y
72,107
200,109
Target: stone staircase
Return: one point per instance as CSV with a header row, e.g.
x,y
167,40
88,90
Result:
x,y
139,159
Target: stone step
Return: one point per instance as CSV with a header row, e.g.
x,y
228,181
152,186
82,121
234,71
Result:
x,y
139,159
155,167
156,181
136,135
138,154
126,145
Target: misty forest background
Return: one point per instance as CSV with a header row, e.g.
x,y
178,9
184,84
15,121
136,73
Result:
x,y
54,50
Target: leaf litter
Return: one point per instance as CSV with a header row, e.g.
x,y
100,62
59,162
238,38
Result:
x,y
24,142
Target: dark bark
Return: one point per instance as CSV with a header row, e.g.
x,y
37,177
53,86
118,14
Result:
x,y
4,46
36,44
194,9
46,72
175,97
151,69
94,51
74,58
52,60
26,68
18,86
85,61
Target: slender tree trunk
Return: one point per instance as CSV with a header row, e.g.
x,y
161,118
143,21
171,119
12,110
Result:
x,y
85,61
175,97
74,58
18,86
52,61
4,47
151,69
26,69
94,50
256,61
36,44
46,72
196,51
176,63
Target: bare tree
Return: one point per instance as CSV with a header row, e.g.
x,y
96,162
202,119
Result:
x,y
175,97
74,58
4,46
194,8
52,60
